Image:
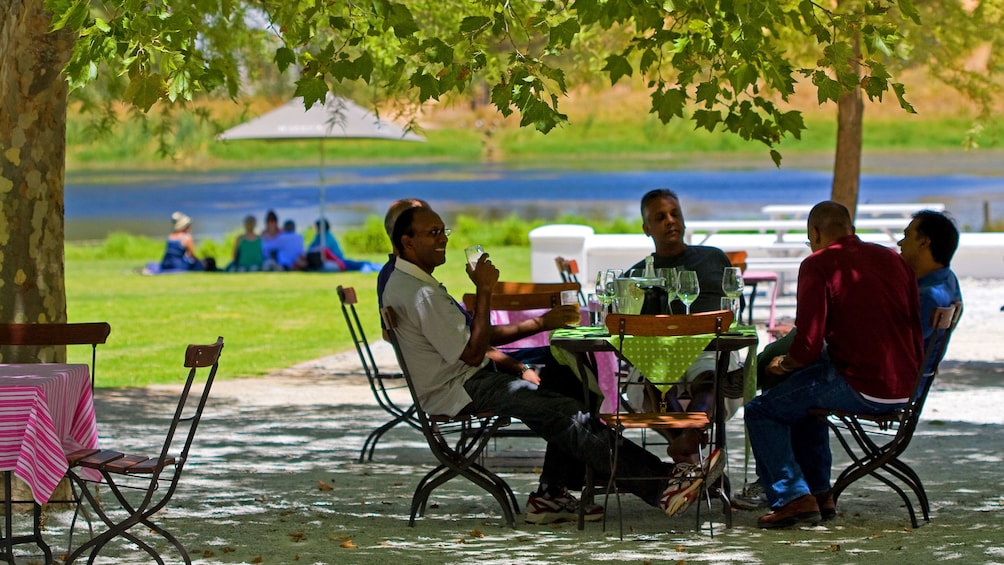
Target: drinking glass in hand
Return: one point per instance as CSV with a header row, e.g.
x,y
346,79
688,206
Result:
x,y
690,288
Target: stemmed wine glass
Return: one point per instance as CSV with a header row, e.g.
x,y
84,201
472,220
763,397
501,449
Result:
x,y
690,288
605,288
732,285
671,282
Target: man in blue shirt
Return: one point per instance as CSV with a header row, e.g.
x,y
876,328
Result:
x,y
928,245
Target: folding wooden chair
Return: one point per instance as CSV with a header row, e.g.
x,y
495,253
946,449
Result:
x,y
43,335
381,382
875,442
622,325
143,485
470,433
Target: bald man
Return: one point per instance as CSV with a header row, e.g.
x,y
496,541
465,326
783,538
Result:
x,y
858,348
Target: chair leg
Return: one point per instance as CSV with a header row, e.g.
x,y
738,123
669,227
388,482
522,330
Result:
x,y
369,446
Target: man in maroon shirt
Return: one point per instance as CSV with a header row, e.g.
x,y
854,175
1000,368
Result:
x,y
858,348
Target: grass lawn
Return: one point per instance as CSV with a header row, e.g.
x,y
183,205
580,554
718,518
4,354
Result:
x,y
268,320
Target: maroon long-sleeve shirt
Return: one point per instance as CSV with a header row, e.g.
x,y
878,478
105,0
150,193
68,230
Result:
x,y
860,301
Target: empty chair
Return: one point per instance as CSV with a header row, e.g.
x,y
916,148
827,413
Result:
x,y
457,443
85,333
381,383
142,485
875,442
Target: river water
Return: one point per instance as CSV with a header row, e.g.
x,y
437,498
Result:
x,y
142,202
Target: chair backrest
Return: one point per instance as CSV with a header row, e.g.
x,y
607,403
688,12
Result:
x,y
737,259
347,297
44,335
562,266
943,323
390,324
202,362
714,322
512,287
522,296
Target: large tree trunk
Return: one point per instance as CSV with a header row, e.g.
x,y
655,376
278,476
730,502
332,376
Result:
x,y
32,165
847,161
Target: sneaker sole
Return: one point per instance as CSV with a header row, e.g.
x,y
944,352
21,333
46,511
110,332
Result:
x,y
680,504
551,518
716,468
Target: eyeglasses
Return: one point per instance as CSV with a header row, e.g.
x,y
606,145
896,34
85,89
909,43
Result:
x,y
435,232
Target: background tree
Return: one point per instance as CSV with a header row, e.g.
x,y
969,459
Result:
x,y
721,63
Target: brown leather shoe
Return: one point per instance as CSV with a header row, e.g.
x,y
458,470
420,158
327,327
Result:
x,y
802,509
827,506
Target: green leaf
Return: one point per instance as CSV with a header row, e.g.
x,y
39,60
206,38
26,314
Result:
x,y
668,103
707,92
502,98
900,91
74,17
401,20
618,67
284,57
707,119
428,86
907,8
827,89
563,33
312,89
145,90
472,24
776,157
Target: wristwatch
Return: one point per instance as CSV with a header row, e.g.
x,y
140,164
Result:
x,y
525,368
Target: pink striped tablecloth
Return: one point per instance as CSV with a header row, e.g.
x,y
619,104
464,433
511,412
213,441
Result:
x,y
46,412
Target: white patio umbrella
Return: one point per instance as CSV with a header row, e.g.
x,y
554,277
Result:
x,y
337,118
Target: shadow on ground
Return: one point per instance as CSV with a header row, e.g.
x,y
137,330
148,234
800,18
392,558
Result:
x,y
281,484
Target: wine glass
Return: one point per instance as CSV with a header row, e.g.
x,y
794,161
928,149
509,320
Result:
x,y
690,288
671,282
732,285
605,279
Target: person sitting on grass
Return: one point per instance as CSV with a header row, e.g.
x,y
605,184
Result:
x,y
248,255
330,257
179,254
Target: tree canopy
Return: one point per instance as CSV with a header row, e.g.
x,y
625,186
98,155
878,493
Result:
x,y
727,65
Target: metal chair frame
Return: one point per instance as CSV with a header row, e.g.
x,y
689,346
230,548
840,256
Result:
x,y
156,478
381,382
875,442
460,458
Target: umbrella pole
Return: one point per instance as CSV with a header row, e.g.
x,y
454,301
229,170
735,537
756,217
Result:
x,y
320,224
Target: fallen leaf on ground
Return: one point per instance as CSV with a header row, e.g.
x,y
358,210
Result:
x,y
321,485
258,560
208,553
297,536
476,534
347,544
834,547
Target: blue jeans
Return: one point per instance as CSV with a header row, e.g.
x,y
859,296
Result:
x,y
792,448
572,435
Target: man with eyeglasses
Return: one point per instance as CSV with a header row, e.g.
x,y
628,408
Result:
x,y
455,370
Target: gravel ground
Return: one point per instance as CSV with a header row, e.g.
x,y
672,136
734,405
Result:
x,y
275,479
